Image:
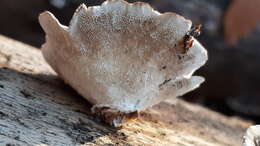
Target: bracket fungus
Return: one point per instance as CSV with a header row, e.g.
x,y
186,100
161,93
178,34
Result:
x,y
123,57
252,136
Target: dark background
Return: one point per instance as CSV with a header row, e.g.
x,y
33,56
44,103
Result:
x,y
232,72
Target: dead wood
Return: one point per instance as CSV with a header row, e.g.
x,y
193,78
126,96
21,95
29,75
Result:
x,y
37,108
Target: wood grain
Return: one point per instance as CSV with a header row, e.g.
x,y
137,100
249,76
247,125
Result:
x,y
37,108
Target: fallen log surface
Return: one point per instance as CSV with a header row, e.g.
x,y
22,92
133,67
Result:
x,y
37,108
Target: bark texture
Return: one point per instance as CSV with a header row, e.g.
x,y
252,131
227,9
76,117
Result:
x,y
37,108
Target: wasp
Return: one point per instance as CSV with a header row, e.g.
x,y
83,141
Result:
x,y
188,41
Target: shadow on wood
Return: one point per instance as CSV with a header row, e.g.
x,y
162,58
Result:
x,y
36,107
29,103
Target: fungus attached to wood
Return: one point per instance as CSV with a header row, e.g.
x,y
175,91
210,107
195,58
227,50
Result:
x,y
252,136
122,57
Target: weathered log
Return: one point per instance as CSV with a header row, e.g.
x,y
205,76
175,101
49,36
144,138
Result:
x,y
37,108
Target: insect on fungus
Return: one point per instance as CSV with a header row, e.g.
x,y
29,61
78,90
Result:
x,y
188,41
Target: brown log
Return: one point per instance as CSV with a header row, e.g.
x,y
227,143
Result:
x,y
37,108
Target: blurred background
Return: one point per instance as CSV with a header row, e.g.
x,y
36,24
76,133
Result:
x,y
230,32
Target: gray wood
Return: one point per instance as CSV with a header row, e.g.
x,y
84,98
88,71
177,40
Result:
x,y
37,108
